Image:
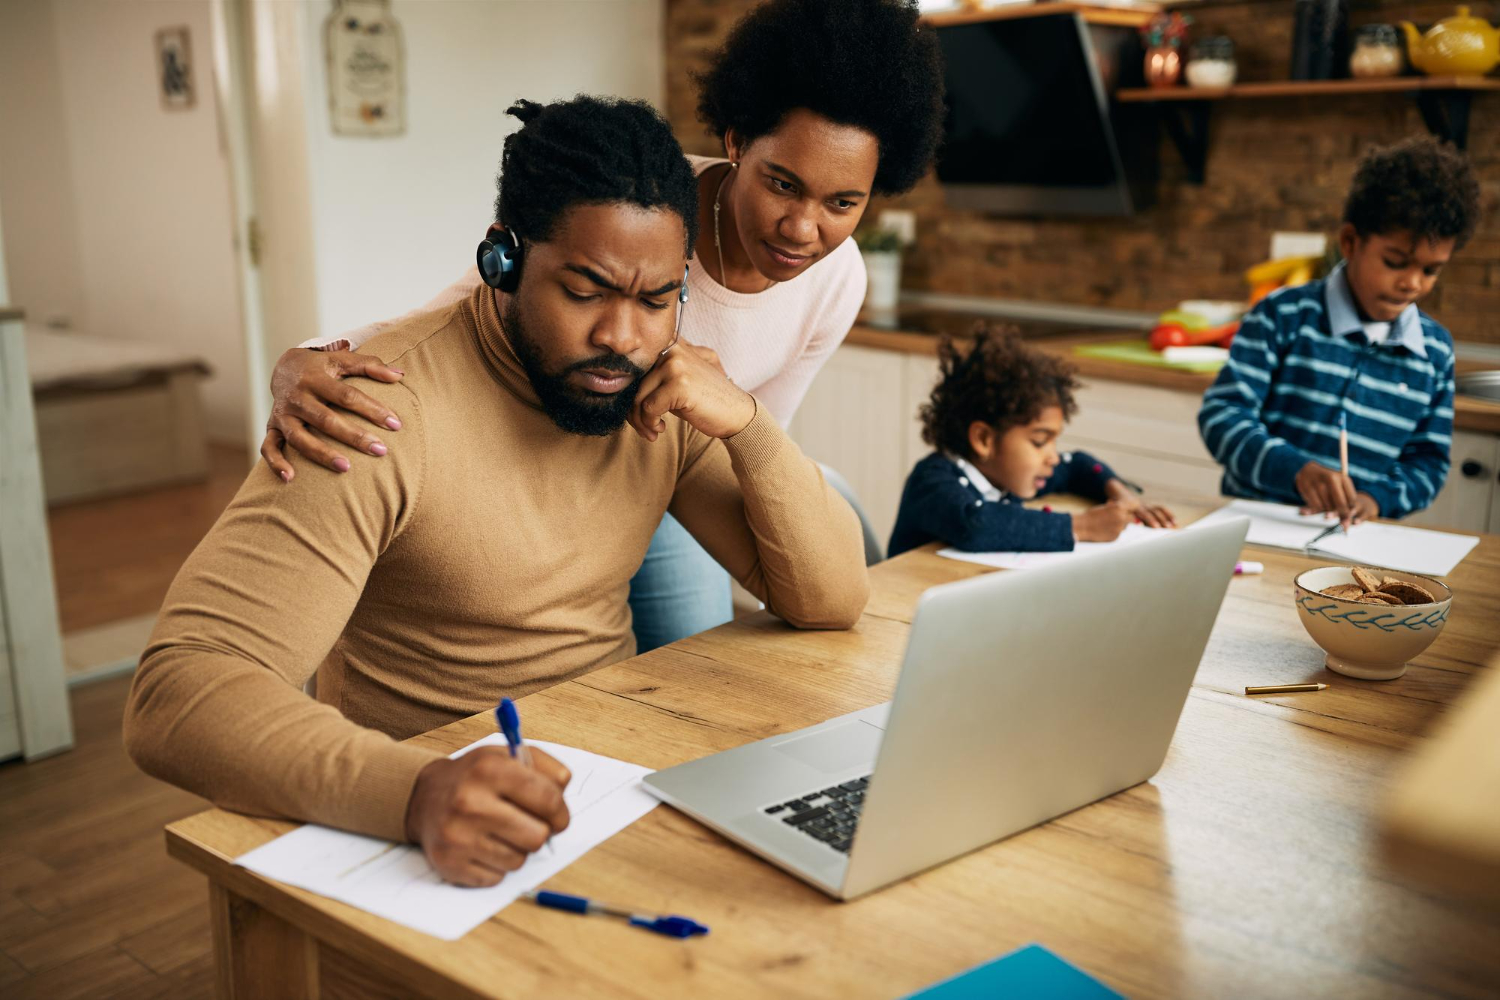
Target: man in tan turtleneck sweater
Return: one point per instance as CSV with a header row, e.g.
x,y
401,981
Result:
x,y
560,413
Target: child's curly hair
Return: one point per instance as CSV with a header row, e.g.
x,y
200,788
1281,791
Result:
x,y
1000,381
1419,185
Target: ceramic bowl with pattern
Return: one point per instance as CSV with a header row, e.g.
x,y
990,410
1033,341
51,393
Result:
x,y
1373,642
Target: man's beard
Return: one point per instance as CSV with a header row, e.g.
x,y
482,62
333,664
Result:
x,y
575,410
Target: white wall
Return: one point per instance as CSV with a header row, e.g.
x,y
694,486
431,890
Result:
x,y
36,196
121,222
118,212
397,219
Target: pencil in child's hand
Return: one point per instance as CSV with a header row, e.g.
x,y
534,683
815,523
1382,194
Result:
x,y
1344,442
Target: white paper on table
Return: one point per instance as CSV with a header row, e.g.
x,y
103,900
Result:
x,y
1275,524
1132,534
1390,546
395,881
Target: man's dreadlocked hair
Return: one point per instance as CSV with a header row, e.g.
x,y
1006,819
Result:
x,y
590,150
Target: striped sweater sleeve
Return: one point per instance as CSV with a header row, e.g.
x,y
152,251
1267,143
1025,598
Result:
x,y
1418,474
1230,419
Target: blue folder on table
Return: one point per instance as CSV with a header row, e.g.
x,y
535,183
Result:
x,y
1029,972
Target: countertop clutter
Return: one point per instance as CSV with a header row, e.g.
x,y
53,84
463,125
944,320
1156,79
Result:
x,y
917,331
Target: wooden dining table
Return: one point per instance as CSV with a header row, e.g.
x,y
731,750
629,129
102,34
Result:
x,y
1252,864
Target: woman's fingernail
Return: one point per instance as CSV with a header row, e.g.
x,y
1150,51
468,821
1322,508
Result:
x,y
398,371
286,476
393,423
341,464
376,448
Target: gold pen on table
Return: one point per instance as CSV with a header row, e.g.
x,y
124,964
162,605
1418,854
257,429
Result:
x,y
1284,688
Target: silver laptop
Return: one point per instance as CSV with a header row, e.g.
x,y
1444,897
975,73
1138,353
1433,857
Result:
x,y
1023,695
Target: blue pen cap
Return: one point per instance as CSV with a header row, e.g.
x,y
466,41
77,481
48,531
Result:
x,y
509,720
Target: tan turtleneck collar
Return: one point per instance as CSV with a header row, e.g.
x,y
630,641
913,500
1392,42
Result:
x,y
482,314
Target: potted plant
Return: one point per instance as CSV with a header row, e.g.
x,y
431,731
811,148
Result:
x,y
881,248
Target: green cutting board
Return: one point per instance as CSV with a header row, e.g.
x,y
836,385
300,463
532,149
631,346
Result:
x,y
1138,352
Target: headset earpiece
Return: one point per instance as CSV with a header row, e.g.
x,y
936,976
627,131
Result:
x,y
681,304
499,261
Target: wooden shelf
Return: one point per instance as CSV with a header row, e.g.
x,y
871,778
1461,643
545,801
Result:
x,y
1443,100
1131,15
1310,88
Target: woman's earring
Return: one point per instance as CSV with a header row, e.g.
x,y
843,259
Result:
x,y
734,164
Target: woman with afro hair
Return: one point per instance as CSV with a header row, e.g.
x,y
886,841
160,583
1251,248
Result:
x,y
819,105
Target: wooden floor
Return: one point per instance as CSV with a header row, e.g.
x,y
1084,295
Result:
x,y
90,905
115,558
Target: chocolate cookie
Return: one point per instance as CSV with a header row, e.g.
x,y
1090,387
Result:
x,y
1343,591
1366,579
1407,593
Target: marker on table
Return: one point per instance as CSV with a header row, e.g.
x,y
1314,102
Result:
x,y
1284,688
678,927
1248,568
509,721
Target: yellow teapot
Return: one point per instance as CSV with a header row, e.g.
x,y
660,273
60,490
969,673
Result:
x,y
1456,46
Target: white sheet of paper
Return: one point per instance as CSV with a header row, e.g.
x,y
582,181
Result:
x,y
1391,546
1274,524
1414,550
1132,534
395,881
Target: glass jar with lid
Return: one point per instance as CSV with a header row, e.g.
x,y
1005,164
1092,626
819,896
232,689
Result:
x,y
1377,52
1211,62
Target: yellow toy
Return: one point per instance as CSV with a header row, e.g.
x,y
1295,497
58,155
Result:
x,y
1287,272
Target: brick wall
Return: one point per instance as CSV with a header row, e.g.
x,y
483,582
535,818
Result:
x,y
1282,163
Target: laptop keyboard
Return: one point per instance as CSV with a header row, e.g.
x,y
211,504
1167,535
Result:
x,y
829,815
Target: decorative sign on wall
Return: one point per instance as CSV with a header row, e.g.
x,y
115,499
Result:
x,y
174,68
366,69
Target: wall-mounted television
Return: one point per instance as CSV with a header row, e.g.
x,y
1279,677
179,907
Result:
x,y
1032,128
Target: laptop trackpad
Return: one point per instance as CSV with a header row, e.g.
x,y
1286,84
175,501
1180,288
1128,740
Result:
x,y
838,749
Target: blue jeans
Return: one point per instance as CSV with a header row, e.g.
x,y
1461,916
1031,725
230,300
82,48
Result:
x,y
679,589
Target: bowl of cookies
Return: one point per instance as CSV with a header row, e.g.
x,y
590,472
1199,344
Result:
x,y
1370,622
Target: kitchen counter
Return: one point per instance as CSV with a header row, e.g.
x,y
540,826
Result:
x,y
1469,414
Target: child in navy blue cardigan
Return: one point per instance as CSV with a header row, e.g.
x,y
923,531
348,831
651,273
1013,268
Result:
x,y
994,419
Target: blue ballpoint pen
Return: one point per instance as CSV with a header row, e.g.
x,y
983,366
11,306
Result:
x,y
509,721
678,927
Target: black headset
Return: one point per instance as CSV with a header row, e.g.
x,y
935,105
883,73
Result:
x,y
499,261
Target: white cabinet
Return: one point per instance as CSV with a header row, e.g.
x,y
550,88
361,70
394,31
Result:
x,y
1470,499
854,418
1146,434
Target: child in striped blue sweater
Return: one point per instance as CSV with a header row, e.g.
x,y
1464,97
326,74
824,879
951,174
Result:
x,y
1353,346
994,418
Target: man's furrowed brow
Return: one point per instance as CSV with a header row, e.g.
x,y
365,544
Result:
x,y
593,275
664,289
603,282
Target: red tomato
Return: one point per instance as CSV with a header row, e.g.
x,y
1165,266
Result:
x,y
1168,335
